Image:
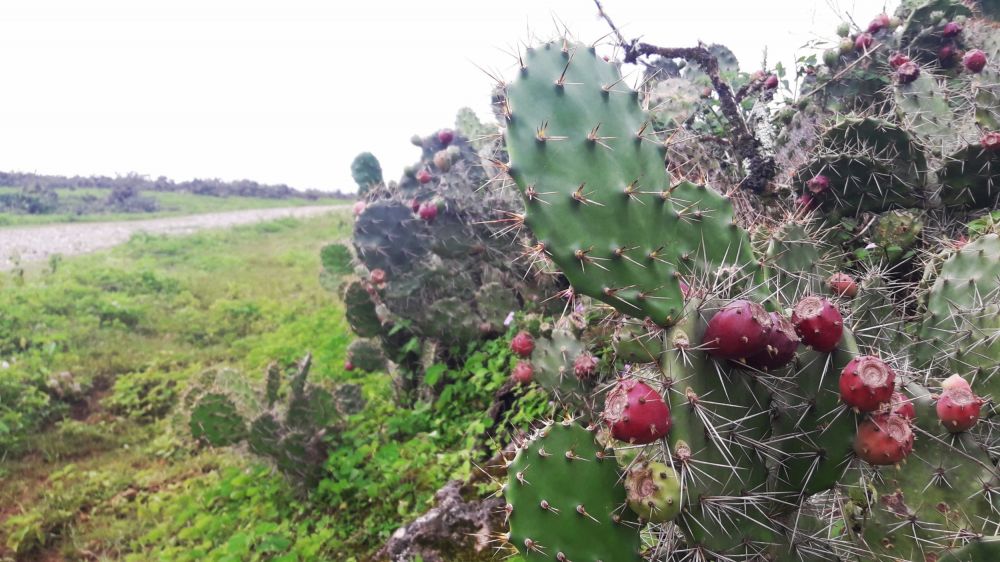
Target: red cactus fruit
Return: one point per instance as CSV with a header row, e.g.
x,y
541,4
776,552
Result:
x,y
951,29
880,22
782,342
818,184
990,141
523,372
377,276
584,366
818,323
805,202
771,82
348,366
946,53
522,344
843,285
445,136
974,61
428,211
907,72
423,176
738,331
359,207
414,205
884,439
866,383
863,42
897,60
635,412
958,408
901,405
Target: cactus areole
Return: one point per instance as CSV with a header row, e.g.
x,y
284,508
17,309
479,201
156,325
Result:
x,y
818,323
635,412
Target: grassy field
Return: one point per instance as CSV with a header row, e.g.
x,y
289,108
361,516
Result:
x,y
109,471
170,204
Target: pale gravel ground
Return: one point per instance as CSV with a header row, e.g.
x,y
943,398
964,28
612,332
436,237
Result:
x,y
37,243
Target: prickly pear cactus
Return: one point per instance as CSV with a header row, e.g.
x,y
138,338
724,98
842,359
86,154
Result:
x,y
225,411
797,461
590,169
366,171
565,499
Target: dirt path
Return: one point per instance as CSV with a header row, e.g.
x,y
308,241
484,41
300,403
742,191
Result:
x,y
37,243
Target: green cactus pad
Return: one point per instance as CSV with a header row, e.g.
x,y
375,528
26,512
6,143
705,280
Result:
x,y
970,178
923,106
720,425
388,236
566,497
360,310
216,421
314,408
265,435
366,354
553,362
337,259
895,234
366,171
813,430
493,303
597,196
958,333
798,262
919,508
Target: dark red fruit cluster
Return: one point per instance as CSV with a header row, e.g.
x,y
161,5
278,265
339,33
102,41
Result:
x,y
818,323
843,285
428,211
523,372
585,366
957,407
907,72
897,60
990,141
884,439
738,331
818,184
866,383
635,412
863,42
780,347
522,344
974,61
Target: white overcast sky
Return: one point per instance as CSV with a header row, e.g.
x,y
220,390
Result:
x,y
289,91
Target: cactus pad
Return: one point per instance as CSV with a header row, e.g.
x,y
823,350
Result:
x,y
565,497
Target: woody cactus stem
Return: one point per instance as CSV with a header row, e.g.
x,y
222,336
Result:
x,y
762,168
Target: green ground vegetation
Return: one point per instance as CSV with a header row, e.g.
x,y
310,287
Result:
x,y
169,204
96,352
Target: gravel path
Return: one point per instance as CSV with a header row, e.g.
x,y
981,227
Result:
x,y
37,243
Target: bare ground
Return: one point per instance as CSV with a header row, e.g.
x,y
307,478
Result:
x,y
38,243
